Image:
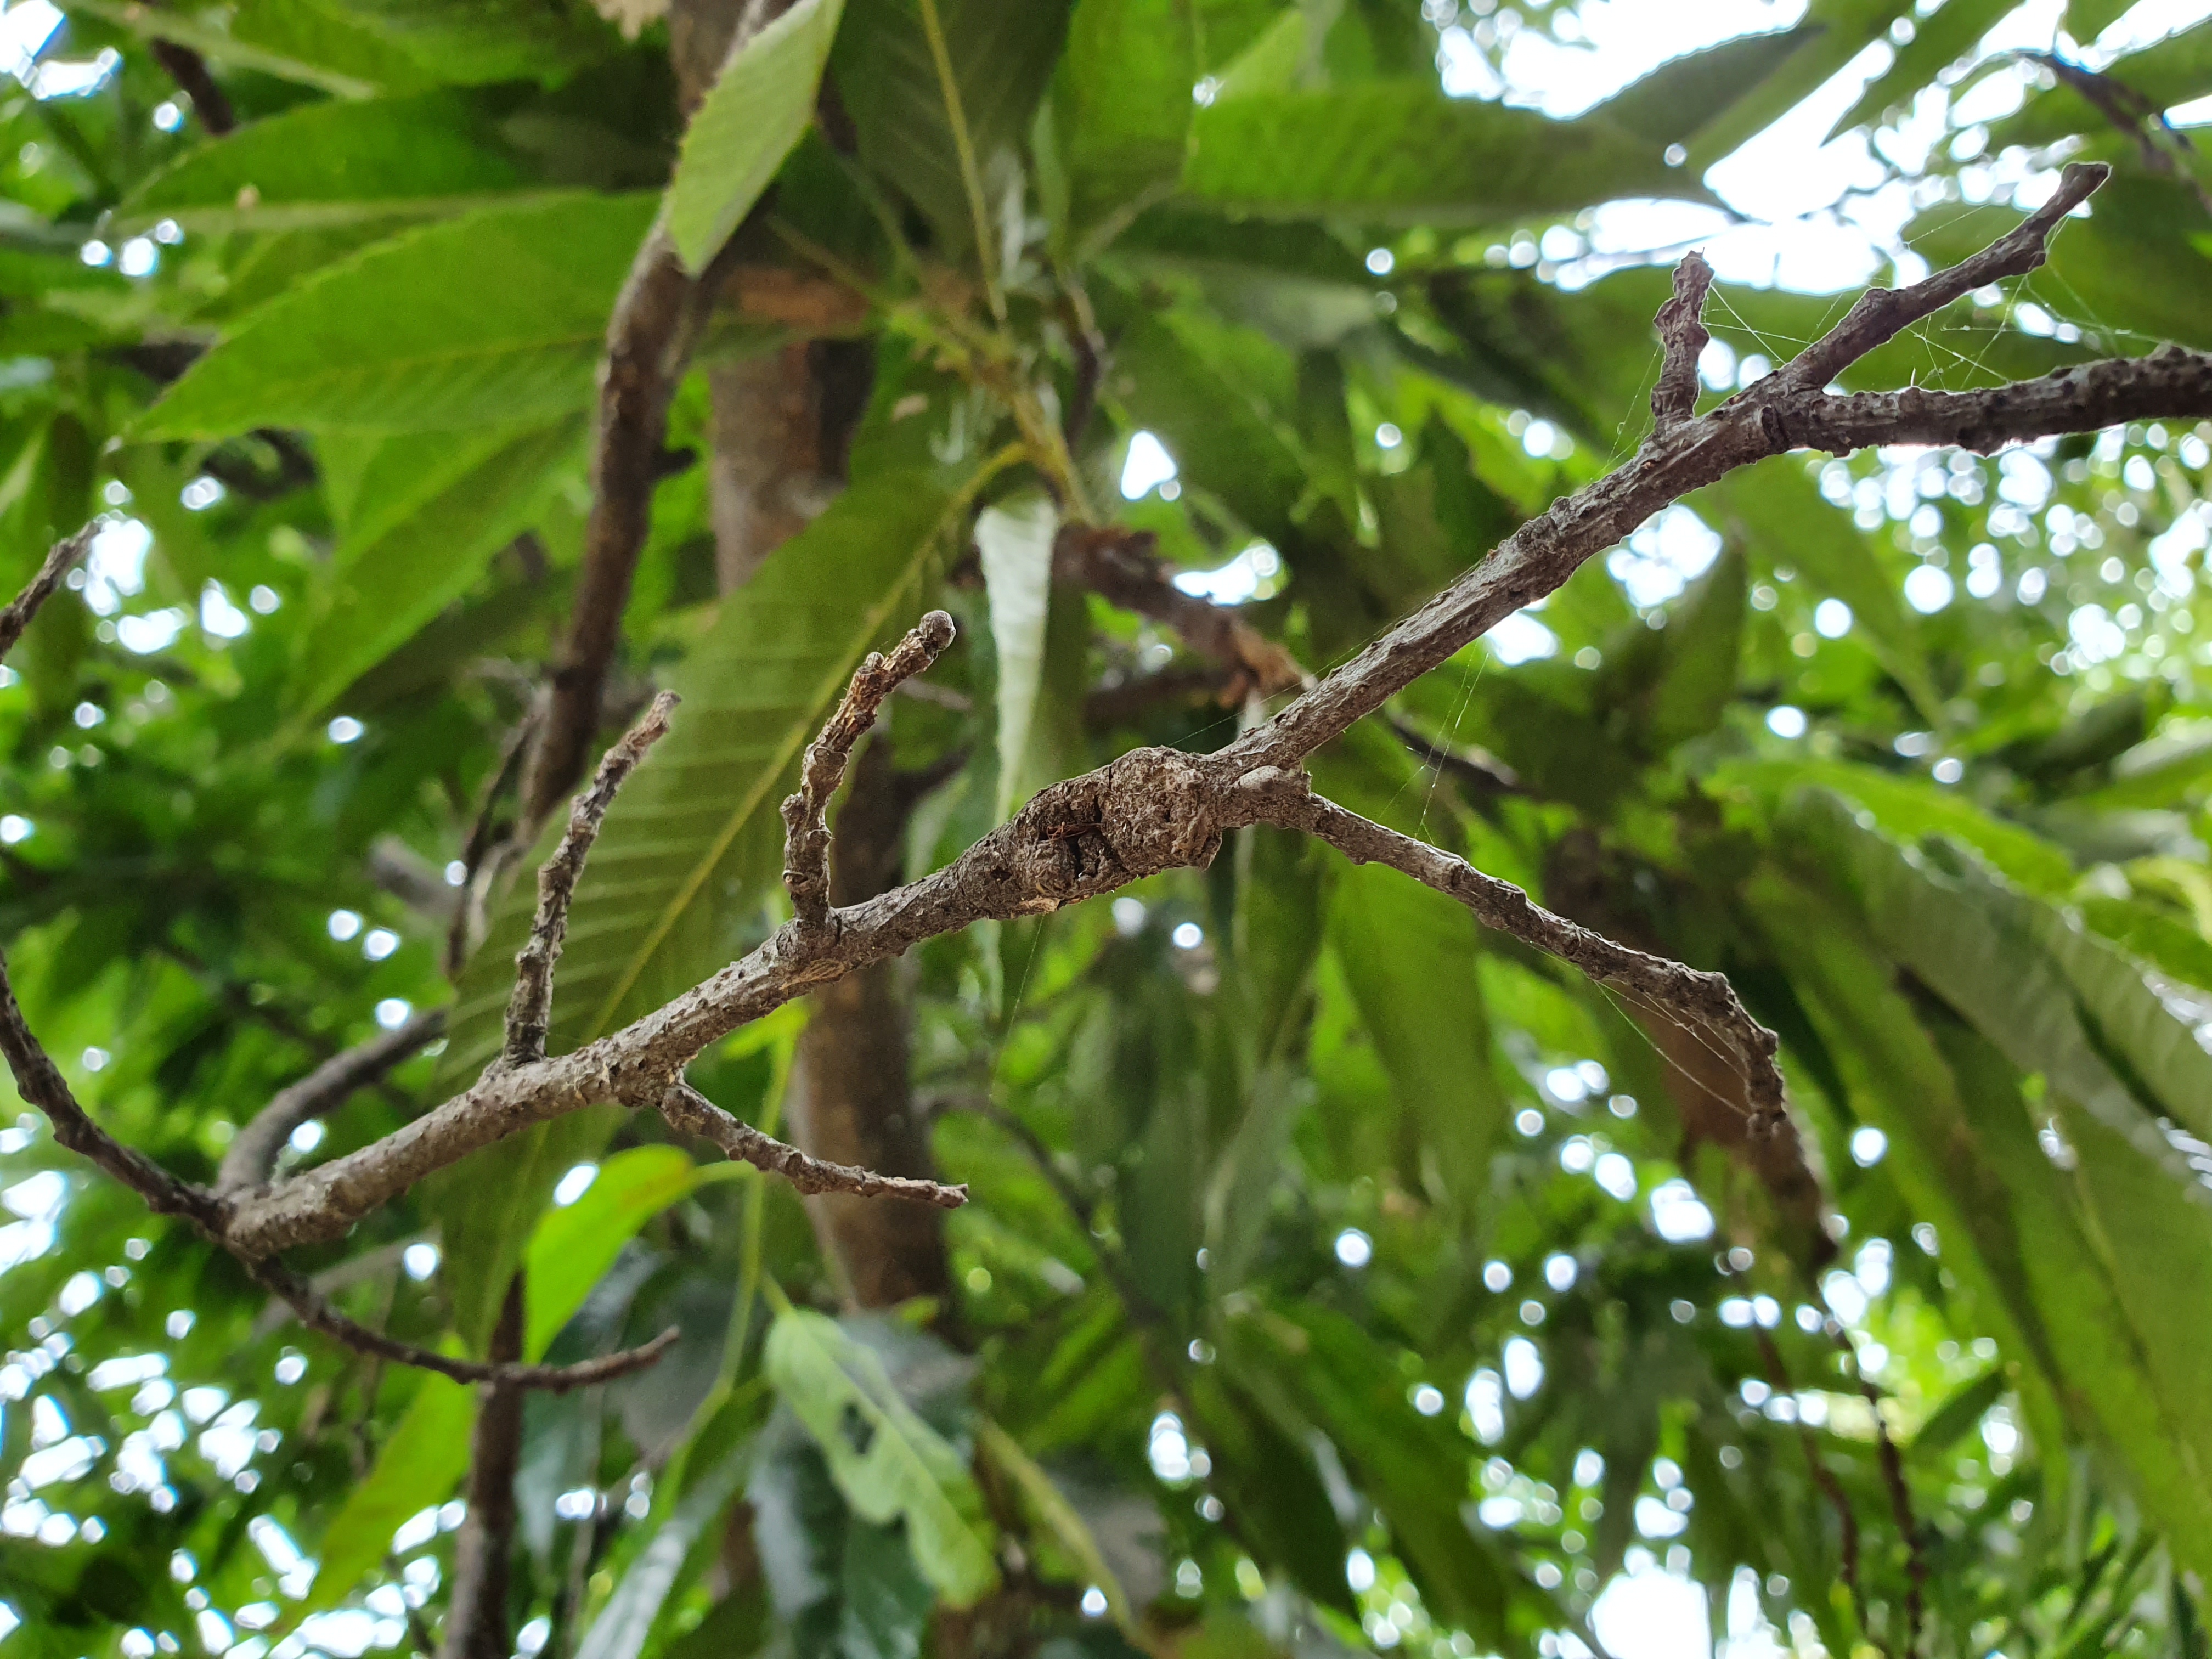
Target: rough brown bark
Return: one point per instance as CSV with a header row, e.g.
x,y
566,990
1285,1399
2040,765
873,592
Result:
x,y
475,1617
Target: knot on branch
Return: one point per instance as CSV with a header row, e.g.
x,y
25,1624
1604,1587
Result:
x,y
1150,811
1681,327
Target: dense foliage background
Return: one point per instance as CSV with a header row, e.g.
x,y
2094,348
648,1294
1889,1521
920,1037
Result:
x,y
1336,1275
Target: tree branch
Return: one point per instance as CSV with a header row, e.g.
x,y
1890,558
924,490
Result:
x,y
1883,313
530,1009
1682,326
655,325
25,605
805,823
253,1152
1705,1000
1153,810
688,1111
316,1314
1121,565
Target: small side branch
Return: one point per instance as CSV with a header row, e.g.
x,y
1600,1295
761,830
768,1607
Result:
x,y
1120,566
252,1155
1701,1001
1682,326
313,1312
1883,313
805,822
39,1081
25,605
688,1111
530,1009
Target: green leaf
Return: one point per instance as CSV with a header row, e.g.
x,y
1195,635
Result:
x,y
409,335
1906,807
295,40
1833,33
478,42
1014,540
1784,520
1938,42
1409,955
1415,1469
1976,944
572,1247
419,1465
1122,103
760,105
692,846
1685,94
2173,70
900,1469
331,163
1961,1413
1277,1506
411,554
1702,645
1059,1517
1001,56
2144,1023
625,1622
1391,153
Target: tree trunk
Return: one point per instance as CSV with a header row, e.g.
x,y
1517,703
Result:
x,y
475,1617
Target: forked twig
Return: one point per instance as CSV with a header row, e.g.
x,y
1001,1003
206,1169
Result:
x,y
530,1008
805,812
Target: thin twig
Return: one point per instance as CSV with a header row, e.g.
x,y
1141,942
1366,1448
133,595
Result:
x,y
1883,314
318,1315
253,1152
1706,999
25,605
1681,326
530,1009
806,830
1122,565
1153,810
1847,1520
1893,1476
688,1111
189,72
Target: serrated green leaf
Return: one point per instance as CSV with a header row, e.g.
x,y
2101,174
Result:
x,y
1974,943
1001,57
332,163
409,558
902,1468
759,105
1014,540
408,335
1392,153
1122,103
1833,33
